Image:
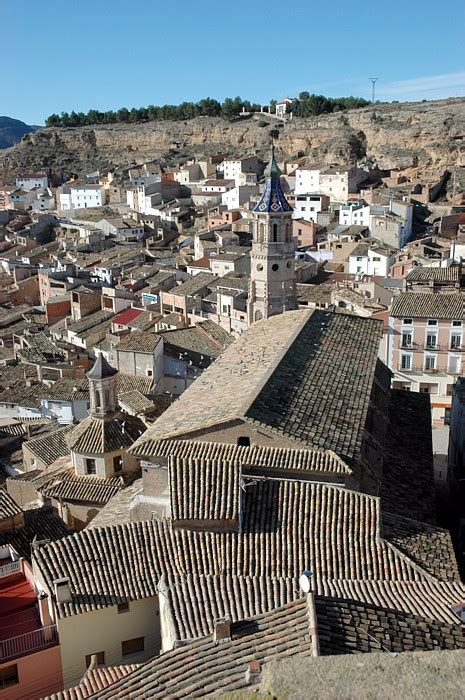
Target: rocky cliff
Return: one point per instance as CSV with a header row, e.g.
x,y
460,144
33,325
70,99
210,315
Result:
x,y
429,135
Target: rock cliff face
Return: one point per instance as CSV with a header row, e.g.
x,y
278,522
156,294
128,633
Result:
x,y
430,135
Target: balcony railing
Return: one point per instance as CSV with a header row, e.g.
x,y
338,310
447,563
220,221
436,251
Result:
x,y
432,348
28,643
12,568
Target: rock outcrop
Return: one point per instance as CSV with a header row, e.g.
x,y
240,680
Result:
x,y
391,136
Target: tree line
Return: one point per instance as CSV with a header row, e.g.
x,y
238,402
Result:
x,y
305,105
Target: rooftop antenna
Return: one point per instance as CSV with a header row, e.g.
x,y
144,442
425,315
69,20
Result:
x,y
373,83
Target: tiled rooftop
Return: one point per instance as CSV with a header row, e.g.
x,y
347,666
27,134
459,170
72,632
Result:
x,y
423,305
204,490
287,527
138,341
97,435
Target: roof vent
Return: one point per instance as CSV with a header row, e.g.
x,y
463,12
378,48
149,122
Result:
x,y
222,630
62,590
304,581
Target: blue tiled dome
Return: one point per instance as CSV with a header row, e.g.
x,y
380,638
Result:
x,y
273,200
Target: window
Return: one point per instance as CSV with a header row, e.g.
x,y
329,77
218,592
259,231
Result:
x,y
123,608
406,340
275,267
430,363
100,660
90,466
132,646
456,340
406,362
275,233
454,364
447,416
432,322
457,323
9,676
431,340
117,463
150,373
407,321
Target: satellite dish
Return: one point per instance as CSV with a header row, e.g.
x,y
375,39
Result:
x,y
304,581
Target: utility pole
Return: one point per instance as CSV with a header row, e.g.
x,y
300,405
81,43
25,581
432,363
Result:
x,y
373,82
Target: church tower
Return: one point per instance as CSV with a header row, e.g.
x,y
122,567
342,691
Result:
x,y
102,388
272,288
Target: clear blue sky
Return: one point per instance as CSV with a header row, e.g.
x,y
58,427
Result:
x,y
107,54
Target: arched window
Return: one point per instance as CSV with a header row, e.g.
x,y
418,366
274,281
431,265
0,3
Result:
x,y
261,232
274,233
258,315
98,400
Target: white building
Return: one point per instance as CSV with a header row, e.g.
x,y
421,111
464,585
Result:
x,y
371,257
44,201
238,196
307,181
308,206
233,169
81,197
31,180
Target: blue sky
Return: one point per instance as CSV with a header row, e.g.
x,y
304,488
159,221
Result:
x,y
104,54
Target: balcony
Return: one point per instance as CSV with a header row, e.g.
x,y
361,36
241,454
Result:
x,y
431,348
12,567
28,643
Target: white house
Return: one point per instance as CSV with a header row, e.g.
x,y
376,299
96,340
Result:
x,y
338,183
238,196
372,258
30,181
81,196
233,169
308,206
44,201
307,180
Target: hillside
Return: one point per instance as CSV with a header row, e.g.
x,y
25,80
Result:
x,y
12,131
401,136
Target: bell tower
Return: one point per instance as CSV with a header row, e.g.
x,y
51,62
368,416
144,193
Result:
x,y
102,388
272,288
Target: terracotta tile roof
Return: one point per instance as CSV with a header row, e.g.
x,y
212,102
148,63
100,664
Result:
x,y
195,285
427,545
428,599
423,305
304,375
48,448
135,401
39,524
306,627
94,680
8,506
230,384
287,527
253,459
128,382
348,627
138,341
69,389
407,485
85,489
205,667
435,274
196,602
207,491
98,435
117,510
191,344
89,322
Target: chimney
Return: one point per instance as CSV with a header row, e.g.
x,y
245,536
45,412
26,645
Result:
x,y
222,630
62,590
253,672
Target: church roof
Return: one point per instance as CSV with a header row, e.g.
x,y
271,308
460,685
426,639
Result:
x,y
98,436
273,200
101,369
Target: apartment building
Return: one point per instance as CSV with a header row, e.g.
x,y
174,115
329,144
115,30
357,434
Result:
x,y
425,346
